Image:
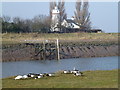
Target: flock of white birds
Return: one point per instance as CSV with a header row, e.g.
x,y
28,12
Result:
x,y
41,75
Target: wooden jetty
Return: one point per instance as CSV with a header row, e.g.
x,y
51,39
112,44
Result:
x,y
46,48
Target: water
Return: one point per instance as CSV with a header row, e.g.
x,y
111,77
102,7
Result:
x,y
46,66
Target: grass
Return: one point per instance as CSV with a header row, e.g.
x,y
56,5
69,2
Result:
x,y
92,79
9,38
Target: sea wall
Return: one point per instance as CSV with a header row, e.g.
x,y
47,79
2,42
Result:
x,y
20,52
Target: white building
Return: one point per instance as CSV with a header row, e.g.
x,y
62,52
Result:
x,y
55,19
67,23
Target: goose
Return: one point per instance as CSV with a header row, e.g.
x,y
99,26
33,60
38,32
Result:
x,y
25,76
66,71
50,74
18,77
78,74
31,75
42,74
39,76
75,70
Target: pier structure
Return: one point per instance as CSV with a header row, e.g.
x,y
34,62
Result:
x,y
46,48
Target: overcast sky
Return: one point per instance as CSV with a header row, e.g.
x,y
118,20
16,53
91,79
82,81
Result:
x,y
104,15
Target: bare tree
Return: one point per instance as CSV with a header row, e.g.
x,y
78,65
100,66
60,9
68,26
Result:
x,y
82,15
5,23
41,23
6,19
61,7
78,12
52,6
63,15
16,20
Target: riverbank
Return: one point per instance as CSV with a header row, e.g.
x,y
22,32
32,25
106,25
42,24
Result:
x,y
18,47
20,52
92,79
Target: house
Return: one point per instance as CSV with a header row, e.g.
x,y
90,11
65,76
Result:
x,y
69,23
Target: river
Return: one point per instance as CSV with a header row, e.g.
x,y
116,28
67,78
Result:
x,y
46,66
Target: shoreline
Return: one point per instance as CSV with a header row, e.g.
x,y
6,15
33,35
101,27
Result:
x,y
21,52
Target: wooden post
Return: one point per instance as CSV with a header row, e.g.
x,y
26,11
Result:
x,y
44,56
58,55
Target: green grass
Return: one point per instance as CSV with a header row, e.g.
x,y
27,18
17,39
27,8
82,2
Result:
x,y
92,79
8,38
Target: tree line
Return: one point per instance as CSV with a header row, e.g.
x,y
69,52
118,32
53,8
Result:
x,y
39,23
42,23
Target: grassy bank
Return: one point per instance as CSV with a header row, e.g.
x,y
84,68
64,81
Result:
x,y
92,79
8,38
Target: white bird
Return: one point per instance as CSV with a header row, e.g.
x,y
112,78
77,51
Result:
x,y
25,76
50,74
66,71
41,74
77,74
32,75
18,77
38,76
75,71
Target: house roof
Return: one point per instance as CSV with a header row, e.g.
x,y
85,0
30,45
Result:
x,y
71,21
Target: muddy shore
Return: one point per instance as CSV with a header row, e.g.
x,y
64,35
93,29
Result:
x,y
21,52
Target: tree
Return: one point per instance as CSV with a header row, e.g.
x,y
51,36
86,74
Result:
x,y
5,23
6,19
18,24
41,23
82,15
63,15
61,7
52,6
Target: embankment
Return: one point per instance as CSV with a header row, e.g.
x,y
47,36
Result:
x,y
20,52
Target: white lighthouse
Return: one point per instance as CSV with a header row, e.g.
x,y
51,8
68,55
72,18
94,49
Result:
x,y
55,19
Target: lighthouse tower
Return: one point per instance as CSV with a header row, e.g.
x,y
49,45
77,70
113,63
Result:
x,y
55,19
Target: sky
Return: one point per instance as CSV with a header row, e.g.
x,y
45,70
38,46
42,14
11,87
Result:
x,y
104,15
